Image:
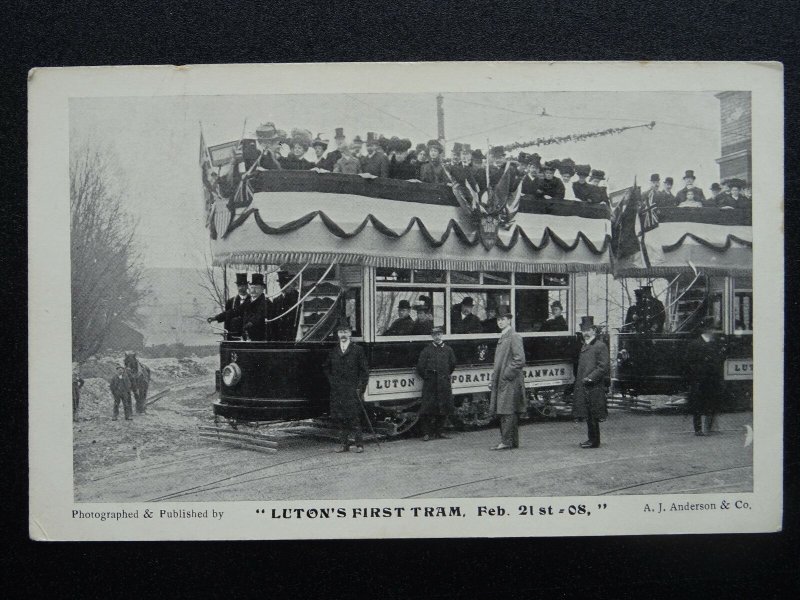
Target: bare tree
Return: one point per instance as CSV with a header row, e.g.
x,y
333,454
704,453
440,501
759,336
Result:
x,y
106,268
211,280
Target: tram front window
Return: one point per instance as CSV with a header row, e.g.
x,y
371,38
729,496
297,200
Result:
x,y
408,311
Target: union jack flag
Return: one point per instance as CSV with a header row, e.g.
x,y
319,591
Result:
x,y
648,213
244,194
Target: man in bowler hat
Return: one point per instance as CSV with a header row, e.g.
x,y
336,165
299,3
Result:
x,y
557,322
232,315
436,363
464,321
347,371
508,382
589,398
403,324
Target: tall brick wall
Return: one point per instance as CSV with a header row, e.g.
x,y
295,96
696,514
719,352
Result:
x,y
735,135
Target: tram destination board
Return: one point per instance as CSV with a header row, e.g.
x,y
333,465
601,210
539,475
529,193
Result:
x,y
405,300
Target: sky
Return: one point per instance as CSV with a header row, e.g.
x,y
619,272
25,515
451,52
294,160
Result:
x,y
156,140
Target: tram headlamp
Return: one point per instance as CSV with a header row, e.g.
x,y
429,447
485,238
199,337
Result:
x,y
231,374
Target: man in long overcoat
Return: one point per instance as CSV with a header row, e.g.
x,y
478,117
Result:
x,y
121,391
254,312
347,371
232,315
589,400
508,382
704,375
436,363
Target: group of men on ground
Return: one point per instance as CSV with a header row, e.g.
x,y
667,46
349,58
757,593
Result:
x,y
731,193
251,315
394,158
347,371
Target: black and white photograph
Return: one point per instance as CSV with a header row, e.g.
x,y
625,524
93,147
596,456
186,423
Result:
x,y
300,303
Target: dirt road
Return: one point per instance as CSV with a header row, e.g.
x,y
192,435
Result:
x,y
641,454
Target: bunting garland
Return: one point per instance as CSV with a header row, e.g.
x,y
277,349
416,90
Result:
x,y
574,137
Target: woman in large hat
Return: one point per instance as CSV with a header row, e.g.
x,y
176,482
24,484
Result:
x,y
598,194
433,171
582,189
550,188
320,145
300,142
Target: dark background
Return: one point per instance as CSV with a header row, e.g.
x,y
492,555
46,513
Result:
x,y
104,33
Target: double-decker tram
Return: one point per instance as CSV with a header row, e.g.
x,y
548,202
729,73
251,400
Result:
x,y
394,258
697,263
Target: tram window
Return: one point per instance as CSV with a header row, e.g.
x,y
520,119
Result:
x,y
528,278
496,278
393,275
533,309
485,306
465,277
419,322
743,304
429,276
715,309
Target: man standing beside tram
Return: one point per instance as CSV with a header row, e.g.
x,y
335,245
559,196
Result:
x,y
436,364
589,400
507,386
232,315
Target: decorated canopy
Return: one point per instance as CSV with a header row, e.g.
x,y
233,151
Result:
x,y
650,241
309,216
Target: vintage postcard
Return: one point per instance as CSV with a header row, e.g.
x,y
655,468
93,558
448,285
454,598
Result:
x,y
405,300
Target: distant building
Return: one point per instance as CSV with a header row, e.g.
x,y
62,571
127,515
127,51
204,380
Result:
x,y
124,337
736,137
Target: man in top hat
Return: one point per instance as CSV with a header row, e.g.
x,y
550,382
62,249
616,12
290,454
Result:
x,y
232,315
455,156
340,140
697,193
299,144
436,364
582,189
254,313
320,146
462,170
347,371
433,170
270,140
716,192
496,166
557,322
589,397
121,391
282,311
403,324
507,386
375,162
550,187
703,368
423,324
464,321
598,193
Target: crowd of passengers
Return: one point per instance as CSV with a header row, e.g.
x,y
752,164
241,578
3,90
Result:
x,y
379,156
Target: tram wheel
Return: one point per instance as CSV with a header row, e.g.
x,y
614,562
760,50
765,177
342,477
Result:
x,y
547,404
473,412
396,421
